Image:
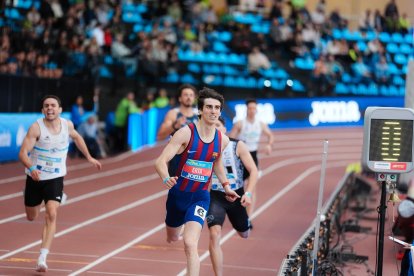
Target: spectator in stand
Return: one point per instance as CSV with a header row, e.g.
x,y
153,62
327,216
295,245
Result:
x,y
404,24
123,54
334,71
361,71
162,100
89,132
257,60
379,21
367,21
391,9
148,102
320,75
125,107
335,19
381,72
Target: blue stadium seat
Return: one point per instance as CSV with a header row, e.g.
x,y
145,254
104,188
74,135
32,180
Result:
x,y
23,4
213,80
340,88
172,77
397,38
408,38
400,59
297,86
104,72
188,78
337,34
131,17
304,64
392,48
13,14
372,89
219,46
406,49
384,37
194,68
362,45
393,69
229,81
230,70
225,36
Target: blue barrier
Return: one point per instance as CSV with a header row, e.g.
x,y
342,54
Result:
x,y
13,129
277,113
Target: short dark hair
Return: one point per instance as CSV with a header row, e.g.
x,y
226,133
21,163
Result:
x,y
206,93
251,100
185,86
52,97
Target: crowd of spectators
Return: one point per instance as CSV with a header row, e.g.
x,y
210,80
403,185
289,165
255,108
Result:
x,y
63,37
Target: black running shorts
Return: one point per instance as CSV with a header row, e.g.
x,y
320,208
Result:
x,y
37,191
246,174
220,206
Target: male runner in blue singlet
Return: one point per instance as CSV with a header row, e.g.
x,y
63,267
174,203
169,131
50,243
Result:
x,y
182,115
186,166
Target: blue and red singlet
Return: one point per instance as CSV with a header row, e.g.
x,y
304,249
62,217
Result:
x,y
194,166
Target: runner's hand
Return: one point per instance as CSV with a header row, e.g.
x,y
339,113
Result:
x,y
246,200
35,175
95,162
172,180
231,195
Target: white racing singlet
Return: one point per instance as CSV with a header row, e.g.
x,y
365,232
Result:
x,y
250,134
50,151
233,167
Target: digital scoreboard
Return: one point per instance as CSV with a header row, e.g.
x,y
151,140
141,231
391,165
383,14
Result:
x,y
388,139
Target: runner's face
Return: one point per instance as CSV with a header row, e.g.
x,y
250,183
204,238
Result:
x,y
251,110
211,111
51,109
187,97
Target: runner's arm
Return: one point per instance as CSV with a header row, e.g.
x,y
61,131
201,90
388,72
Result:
x,y
235,131
179,140
270,139
167,127
28,144
81,145
251,167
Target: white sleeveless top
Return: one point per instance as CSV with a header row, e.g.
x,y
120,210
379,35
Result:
x,y
50,151
250,134
233,166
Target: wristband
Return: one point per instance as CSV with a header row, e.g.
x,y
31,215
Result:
x,y
249,194
225,184
166,179
32,168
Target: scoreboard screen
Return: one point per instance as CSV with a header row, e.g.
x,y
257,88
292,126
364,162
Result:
x,y
388,139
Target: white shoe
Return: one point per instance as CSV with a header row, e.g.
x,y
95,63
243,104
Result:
x,y
64,198
41,264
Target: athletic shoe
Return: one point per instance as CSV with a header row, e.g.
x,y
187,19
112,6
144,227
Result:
x,y
64,198
41,264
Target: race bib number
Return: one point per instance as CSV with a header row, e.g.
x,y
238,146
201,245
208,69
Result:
x,y
48,164
197,170
200,212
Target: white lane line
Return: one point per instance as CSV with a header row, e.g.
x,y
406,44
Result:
x,y
93,176
279,136
120,249
93,194
32,269
114,273
85,164
90,221
266,171
272,200
63,254
144,164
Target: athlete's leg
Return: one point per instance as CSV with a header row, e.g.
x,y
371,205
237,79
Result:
x,y
216,254
49,228
32,212
192,233
174,233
